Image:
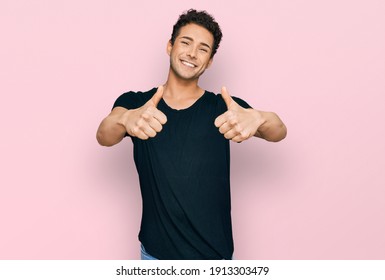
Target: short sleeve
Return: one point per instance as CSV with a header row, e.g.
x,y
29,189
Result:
x,y
241,102
128,100
221,105
132,100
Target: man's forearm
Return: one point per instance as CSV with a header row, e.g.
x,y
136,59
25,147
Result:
x,y
110,131
273,129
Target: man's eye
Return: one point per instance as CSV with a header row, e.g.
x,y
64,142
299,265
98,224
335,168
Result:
x,y
204,50
184,43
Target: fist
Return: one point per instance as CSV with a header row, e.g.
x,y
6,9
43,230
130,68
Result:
x,y
237,123
146,121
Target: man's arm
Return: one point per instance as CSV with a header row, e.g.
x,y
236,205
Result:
x,y
143,122
110,131
272,129
238,124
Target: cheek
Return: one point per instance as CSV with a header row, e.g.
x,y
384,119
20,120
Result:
x,y
206,62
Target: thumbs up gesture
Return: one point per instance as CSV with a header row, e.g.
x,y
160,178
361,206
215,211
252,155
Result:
x,y
237,123
146,121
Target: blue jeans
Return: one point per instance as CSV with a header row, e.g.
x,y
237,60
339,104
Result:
x,y
144,255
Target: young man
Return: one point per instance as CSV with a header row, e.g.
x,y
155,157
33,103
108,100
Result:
x,y
181,139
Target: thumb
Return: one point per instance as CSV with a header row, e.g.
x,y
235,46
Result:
x,y
157,96
226,97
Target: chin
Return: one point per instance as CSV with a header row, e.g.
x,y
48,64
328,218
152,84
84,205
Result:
x,y
186,77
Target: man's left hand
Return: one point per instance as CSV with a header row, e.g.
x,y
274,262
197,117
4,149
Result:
x,y
237,123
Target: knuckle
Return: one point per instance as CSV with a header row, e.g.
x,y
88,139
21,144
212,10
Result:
x,y
230,113
135,130
244,135
233,121
145,116
139,122
150,110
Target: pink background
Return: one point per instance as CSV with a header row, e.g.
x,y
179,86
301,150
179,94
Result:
x,y
319,194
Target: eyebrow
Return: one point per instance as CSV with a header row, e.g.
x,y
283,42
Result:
x,y
191,39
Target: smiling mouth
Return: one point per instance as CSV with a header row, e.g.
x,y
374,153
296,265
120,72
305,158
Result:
x,y
188,64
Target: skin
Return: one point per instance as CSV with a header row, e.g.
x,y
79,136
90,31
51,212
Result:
x,y
190,56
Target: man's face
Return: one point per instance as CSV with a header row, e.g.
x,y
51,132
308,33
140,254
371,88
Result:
x,y
190,55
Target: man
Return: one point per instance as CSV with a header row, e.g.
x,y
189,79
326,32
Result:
x,y
181,139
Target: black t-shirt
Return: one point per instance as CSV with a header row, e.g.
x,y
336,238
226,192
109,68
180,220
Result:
x,y
184,174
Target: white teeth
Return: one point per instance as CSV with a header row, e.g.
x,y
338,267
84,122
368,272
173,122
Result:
x,y
188,64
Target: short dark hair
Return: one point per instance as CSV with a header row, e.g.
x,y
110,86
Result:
x,y
201,18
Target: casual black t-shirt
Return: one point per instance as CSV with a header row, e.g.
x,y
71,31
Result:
x,y
184,174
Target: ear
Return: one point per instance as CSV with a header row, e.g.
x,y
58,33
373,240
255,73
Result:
x,y
169,47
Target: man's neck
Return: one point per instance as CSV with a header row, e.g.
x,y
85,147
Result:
x,y
178,89
181,93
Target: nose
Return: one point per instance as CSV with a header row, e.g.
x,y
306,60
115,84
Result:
x,y
192,52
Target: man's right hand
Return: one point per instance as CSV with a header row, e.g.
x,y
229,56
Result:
x,y
146,121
